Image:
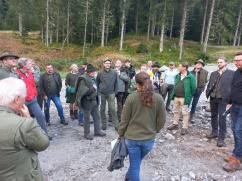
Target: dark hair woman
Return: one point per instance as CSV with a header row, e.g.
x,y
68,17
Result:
x,y
143,116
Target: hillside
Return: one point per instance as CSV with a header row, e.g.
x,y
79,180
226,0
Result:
x,y
31,46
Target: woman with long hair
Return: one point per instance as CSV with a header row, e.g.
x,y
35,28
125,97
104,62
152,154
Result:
x,y
143,116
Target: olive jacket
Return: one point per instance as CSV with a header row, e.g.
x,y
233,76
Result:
x,y
20,139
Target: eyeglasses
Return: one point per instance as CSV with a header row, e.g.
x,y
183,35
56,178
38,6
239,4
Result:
x,y
237,60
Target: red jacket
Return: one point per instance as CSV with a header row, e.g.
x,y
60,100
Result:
x,y
28,79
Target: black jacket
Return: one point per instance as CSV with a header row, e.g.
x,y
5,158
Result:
x,y
44,83
226,80
118,154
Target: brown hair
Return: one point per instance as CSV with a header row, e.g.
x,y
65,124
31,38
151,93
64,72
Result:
x,y
147,92
238,53
184,64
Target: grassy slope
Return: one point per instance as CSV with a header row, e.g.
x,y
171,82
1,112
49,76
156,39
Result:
x,y
32,47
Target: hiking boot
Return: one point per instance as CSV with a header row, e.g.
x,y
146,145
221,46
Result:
x,y
88,137
227,159
232,165
104,127
168,109
48,124
72,116
50,137
173,127
212,135
191,120
183,131
181,118
63,122
100,133
220,143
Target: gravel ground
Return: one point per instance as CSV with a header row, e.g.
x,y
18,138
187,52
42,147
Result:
x,y
174,157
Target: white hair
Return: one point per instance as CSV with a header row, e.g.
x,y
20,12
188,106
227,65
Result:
x,y
11,88
73,65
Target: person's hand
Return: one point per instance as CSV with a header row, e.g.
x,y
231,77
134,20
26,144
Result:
x,y
24,112
45,98
228,106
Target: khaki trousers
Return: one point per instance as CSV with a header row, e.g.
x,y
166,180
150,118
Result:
x,y
179,103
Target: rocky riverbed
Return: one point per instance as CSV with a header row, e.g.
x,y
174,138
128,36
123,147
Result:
x,y
174,157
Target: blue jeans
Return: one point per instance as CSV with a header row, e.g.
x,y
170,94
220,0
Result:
x,y
236,125
137,151
195,100
35,109
56,99
80,116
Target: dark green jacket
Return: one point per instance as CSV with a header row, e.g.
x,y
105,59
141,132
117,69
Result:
x,y
189,87
203,79
139,122
6,72
20,139
84,89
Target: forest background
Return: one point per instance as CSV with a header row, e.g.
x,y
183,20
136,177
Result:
x,y
68,31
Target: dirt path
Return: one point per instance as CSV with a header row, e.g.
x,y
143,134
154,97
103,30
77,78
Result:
x,y
174,157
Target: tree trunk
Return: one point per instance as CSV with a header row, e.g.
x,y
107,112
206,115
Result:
x,y
68,22
172,19
57,26
183,27
122,27
42,33
47,23
148,31
153,25
163,28
137,19
239,37
204,21
20,24
92,31
103,23
107,31
85,31
237,27
209,26
51,37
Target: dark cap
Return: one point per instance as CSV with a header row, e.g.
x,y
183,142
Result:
x,y
156,64
8,53
84,62
199,61
90,68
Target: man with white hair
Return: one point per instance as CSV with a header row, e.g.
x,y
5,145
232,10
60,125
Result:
x,y
122,78
70,83
25,65
20,135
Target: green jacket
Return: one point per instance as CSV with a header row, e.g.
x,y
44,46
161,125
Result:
x,y
189,87
20,139
6,72
84,88
139,122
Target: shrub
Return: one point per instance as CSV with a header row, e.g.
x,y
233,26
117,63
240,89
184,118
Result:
x,y
205,57
142,48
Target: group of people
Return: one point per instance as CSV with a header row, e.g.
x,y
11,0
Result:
x,y
141,106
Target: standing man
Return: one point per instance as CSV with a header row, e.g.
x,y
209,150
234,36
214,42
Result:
x,y
149,68
123,79
25,65
236,116
129,69
70,83
20,135
169,79
88,100
50,87
107,84
201,76
184,88
9,61
156,77
218,89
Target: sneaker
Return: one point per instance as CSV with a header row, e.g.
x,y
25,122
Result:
x,y
81,124
173,127
100,133
220,143
212,135
184,131
63,122
232,165
88,137
104,127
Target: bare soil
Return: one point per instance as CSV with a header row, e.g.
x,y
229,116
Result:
x,y
174,157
